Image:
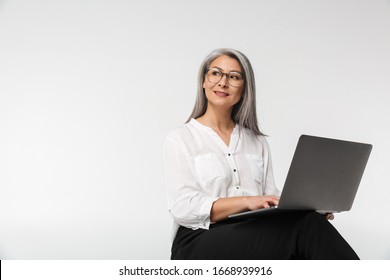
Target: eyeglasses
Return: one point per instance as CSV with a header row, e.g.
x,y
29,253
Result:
x,y
214,75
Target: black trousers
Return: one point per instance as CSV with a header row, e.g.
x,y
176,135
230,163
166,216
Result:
x,y
290,235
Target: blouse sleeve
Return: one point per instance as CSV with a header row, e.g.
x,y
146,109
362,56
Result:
x,y
188,206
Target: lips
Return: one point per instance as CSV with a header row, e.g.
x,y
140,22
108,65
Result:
x,y
221,93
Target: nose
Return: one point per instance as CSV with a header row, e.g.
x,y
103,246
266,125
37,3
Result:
x,y
223,82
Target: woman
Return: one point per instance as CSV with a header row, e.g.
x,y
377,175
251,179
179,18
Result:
x,y
218,164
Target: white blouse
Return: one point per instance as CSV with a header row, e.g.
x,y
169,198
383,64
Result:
x,y
200,168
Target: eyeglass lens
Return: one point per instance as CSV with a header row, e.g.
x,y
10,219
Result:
x,y
234,79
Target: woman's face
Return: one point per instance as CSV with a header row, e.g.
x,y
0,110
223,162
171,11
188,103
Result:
x,y
222,94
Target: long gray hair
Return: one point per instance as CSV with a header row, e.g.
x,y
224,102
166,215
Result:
x,y
244,112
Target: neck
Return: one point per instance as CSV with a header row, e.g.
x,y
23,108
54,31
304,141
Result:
x,y
220,120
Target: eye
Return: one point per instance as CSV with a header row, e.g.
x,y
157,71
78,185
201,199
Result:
x,y
215,72
235,76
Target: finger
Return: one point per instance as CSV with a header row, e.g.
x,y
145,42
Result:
x,y
330,216
273,201
266,204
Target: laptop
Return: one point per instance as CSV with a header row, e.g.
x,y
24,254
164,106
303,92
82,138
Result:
x,y
324,176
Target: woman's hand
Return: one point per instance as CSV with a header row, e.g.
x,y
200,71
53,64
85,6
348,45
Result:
x,y
258,202
224,207
329,216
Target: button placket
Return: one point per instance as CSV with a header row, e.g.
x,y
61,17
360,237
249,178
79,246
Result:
x,y
233,167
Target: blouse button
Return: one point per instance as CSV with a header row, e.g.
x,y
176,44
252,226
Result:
x,y
234,170
237,187
229,155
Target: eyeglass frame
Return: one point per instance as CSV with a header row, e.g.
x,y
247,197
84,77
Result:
x,y
224,74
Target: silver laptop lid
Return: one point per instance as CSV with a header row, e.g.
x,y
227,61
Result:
x,y
324,174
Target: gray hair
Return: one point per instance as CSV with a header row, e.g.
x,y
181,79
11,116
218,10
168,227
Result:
x,y
244,112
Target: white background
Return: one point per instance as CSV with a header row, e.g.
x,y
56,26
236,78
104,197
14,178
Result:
x,y
89,90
